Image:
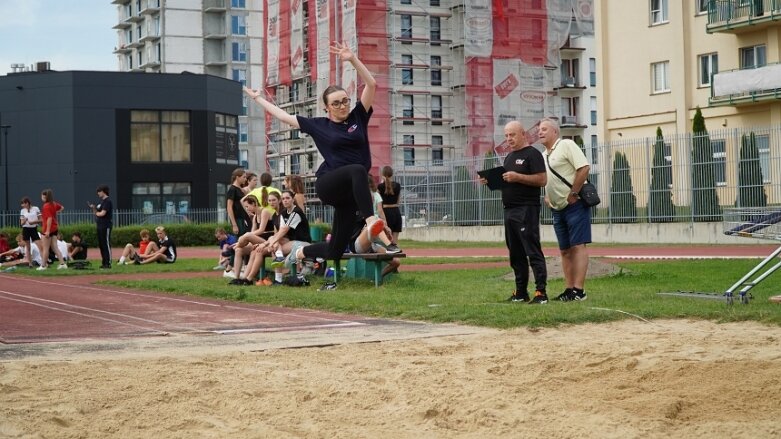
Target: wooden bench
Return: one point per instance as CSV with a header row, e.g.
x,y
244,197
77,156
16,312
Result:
x,y
366,266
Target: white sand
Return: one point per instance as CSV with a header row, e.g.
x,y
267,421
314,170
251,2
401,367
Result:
x,y
628,379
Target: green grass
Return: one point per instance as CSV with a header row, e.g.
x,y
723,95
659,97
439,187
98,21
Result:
x,y
476,296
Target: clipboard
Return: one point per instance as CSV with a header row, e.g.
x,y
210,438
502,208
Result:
x,y
494,177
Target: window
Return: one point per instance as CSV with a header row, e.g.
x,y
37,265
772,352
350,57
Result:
x,y
763,145
243,132
753,57
570,71
129,62
244,158
719,161
406,73
238,25
433,3
171,198
129,36
406,2
409,156
240,75
154,27
435,32
436,109
408,103
159,136
239,4
437,153
226,141
436,73
569,109
408,139
660,81
140,56
592,71
709,65
140,30
659,11
406,27
702,6
158,55
239,51
593,103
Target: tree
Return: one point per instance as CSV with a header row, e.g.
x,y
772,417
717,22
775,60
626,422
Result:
x,y
660,197
751,189
705,200
623,202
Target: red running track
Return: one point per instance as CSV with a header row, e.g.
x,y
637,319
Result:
x,y
60,309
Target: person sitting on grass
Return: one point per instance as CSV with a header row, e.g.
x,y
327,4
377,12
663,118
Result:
x,y
145,247
18,256
77,249
4,246
165,253
225,241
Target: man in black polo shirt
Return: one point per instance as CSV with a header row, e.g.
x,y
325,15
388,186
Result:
x,y
104,211
524,176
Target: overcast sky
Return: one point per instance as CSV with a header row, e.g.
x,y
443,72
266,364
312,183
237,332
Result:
x,y
71,34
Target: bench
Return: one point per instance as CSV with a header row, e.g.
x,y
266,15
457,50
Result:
x,y
365,266
360,266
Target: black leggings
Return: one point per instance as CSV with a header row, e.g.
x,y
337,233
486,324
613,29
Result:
x,y
347,190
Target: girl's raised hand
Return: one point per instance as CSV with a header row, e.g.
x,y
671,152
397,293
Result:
x,y
343,50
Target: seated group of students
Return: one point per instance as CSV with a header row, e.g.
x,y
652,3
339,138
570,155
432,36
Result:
x,y
28,254
279,227
163,251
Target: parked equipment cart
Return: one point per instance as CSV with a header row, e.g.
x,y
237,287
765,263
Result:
x,y
762,223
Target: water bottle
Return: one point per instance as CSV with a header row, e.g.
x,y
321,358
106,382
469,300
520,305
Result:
x,y
329,273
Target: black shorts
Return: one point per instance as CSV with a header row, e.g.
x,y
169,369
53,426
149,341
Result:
x,y
30,233
393,218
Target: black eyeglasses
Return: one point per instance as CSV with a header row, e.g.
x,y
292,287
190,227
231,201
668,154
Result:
x,y
339,104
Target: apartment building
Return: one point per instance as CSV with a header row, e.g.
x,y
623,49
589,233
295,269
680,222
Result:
x,y
215,37
450,74
661,59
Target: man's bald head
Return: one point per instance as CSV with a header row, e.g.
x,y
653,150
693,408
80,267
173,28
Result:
x,y
514,135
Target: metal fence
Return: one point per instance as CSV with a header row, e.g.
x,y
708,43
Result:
x,y
682,178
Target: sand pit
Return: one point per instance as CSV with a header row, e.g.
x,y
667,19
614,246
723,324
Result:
x,y
625,379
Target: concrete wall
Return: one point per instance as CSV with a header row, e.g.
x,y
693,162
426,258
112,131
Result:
x,y
677,233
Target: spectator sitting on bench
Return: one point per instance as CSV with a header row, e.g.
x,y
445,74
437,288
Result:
x,y
225,241
292,233
77,249
262,228
18,256
145,247
166,250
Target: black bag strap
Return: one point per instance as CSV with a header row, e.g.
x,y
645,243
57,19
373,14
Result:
x,y
554,171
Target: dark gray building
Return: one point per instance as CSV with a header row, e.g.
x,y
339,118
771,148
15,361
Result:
x,y
160,141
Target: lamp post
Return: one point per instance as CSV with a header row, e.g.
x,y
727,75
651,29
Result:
x,y
5,160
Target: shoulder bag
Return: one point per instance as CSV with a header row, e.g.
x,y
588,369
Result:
x,y
588,192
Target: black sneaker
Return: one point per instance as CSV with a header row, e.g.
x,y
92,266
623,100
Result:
x,y
392,249
236,282
105,267
328,286
518,297
539,299
307,266
566,296
579,296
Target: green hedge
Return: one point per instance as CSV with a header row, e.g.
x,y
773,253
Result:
x,y
186,235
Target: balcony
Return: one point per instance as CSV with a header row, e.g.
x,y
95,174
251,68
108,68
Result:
x,y
214,6
568,121
736,16
746,86
569,83
122,49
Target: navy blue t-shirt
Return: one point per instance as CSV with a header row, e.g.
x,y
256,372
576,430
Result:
x,y
340,144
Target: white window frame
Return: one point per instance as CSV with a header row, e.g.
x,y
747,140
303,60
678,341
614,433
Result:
x,y
719,160
706,68
660,68
659,12
756,51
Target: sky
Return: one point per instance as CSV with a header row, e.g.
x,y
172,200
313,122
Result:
x,y
70,34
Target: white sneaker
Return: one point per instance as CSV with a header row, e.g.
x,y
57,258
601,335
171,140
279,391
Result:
x,y
41,268
229,275
62,267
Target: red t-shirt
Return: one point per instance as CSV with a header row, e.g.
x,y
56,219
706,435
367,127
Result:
x,y
50,211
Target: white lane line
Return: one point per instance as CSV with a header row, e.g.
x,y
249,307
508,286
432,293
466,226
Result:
x,y
305,315
91,316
